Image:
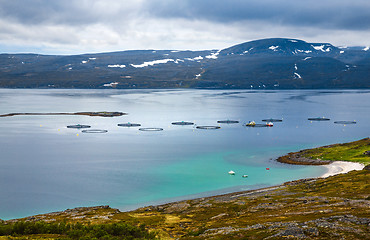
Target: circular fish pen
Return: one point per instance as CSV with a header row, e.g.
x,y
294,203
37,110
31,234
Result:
x,y
272,120
94,131
319,119
345,122
208,127
228,121
78,126
129,124
151,129
182,123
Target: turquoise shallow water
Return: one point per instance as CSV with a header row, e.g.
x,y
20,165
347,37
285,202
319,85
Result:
x,y
208,175
46,167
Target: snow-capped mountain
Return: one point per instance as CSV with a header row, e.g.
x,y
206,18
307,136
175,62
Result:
x,y
275,63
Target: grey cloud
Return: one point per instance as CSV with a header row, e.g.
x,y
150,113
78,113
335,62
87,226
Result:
x,y
334,14
109,25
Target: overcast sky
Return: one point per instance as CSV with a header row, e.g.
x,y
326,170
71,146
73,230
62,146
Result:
x,y
82,26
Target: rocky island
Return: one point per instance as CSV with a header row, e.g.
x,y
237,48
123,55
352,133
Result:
x,y
94,114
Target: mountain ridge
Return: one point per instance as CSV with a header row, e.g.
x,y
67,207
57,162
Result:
x,y
274,63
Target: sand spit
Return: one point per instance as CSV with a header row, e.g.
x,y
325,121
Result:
x,y
339,167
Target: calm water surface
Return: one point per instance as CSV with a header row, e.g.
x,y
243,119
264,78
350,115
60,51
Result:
x,y
46,167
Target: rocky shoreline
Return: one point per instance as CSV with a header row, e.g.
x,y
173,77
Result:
x,y
298,159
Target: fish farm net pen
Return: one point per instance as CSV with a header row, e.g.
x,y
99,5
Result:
x,y
208,127
78,126
128,124
257,125
182,123
151,129
94,131
319,119
345,122
228,121
272,120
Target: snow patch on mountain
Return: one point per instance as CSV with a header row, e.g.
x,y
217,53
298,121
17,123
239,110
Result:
x,y
321,48
151,63
273,48
366,49
301,51
293,41
83,62
213,55
92,58
295,67
341,52
194,59
297,75
306,58
112,84
116,66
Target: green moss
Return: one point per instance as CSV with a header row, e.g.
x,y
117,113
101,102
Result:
x,y
353,151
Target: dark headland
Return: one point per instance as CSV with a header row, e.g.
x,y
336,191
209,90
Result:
x,y
93,114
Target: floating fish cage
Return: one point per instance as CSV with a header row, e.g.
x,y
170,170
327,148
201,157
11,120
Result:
x,y
272,120
94,131
228,121
128,124
151,129
257,125
319,119
78,126
345,122
182,123
208,127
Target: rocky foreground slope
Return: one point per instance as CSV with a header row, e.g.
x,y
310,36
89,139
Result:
x,y
334,208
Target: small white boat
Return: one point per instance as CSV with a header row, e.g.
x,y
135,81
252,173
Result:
x,y
231,172
245,176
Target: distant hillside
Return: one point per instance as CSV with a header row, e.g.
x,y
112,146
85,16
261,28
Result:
x,y
274,63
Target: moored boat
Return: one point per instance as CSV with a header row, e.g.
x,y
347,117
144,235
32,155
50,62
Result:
x,y
231,172
251,123
270,124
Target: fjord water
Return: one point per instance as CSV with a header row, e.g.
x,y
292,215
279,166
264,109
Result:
x,y
47,167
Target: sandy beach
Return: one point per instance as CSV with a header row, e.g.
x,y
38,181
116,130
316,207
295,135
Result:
x,y
339,167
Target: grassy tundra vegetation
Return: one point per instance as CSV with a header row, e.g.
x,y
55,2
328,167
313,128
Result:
x,y
337,207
